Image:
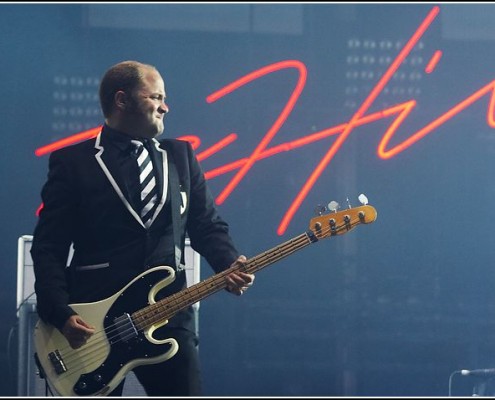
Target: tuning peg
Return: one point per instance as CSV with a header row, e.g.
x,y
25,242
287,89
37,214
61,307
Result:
x,y
320,209
333,206
363,199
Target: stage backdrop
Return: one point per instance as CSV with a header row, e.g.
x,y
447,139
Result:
x,y
290,107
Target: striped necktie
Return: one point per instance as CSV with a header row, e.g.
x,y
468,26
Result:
x,y
149,192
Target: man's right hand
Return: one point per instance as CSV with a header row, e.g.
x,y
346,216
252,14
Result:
x,y
76,331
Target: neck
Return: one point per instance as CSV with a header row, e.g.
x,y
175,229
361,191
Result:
x,y
126,129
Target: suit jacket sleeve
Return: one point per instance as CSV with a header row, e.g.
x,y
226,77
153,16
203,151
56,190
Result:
x,y
51,243
208,232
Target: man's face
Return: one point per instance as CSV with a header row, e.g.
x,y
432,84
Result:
x,y
146,108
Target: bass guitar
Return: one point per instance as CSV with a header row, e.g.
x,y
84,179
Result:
x,y
125,321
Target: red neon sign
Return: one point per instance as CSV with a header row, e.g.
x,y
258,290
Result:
x,y
341,131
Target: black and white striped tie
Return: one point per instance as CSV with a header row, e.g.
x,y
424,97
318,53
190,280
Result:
x,y
149,193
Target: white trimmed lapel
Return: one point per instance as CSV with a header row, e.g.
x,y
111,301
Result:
x,y
113,182
164,179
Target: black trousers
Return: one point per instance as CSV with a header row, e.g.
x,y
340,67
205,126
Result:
x,y
178,376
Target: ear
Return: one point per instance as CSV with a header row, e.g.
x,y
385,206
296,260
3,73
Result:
x,y
120,100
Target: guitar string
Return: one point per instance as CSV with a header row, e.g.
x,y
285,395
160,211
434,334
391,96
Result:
x,y
220,284
100,339
250,263
252,266
98,346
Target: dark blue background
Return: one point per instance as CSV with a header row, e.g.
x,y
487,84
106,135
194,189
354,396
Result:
x,y
390,309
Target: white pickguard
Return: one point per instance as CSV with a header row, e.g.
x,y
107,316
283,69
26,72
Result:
x,y
48,340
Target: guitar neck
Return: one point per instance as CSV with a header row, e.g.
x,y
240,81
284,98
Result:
x,y
166,308
337,223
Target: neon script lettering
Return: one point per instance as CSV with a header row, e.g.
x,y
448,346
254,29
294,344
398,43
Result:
x,y
398,113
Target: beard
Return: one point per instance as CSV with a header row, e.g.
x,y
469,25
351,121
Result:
x,y
143,122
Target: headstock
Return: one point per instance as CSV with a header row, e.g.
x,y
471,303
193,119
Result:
x,y
339,222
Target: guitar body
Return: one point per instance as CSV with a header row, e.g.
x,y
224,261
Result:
x,y
114,349
125,322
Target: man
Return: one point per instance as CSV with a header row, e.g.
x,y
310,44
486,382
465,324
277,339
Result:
x,y
121,227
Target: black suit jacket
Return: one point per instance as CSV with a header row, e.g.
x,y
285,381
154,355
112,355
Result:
x,y
86,203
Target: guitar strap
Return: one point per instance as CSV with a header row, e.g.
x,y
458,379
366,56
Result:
x,y
176,201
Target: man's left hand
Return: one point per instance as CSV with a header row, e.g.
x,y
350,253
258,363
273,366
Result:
x,y
238,282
